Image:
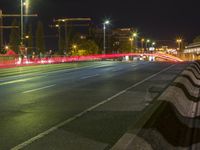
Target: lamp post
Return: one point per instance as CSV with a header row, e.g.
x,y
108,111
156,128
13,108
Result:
x,y
147,42
22,22
179,41
135,35
107,22
131,41
23,4
74,46
59,37
142,44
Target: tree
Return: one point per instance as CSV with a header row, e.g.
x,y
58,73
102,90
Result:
x,y
89,46
86,47
197,39
40,42
14,38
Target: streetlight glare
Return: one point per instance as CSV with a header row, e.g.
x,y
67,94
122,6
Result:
x,y
179,40
26,5
130,39
74,46
135,34
6,47
107,22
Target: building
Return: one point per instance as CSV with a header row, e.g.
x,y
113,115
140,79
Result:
x,y
122,39
193,48
122,34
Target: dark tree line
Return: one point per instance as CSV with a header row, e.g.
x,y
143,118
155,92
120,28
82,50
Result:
x,y
34,42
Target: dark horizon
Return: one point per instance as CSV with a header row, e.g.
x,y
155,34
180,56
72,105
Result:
x,y
154,19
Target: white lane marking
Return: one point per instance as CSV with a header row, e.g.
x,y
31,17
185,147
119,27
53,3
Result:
x,y
134,65
52,72
15,81
3,82
54,128
87,77
38,89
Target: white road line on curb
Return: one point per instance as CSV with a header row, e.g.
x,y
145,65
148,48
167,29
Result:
x,y
89,76
38,89
54,128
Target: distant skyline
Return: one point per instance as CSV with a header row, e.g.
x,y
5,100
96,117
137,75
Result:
x,y
156,19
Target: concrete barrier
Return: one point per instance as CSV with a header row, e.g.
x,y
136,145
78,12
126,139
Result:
x,y
191,88
176,123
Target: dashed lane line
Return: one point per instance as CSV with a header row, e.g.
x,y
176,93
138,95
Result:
x,y
54,128
38,89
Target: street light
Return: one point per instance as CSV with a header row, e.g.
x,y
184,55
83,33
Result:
x,y
27,36
131,41
135,35
107,22
59,36
147,42
6,47
142,44
74,46
154,43
179,41
24,4
22,21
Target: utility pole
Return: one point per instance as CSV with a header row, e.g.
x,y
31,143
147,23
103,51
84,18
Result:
x,y
9,27
22,23
66,39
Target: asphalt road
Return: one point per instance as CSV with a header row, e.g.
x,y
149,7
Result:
x,y
86,107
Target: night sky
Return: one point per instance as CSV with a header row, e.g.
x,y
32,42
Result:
x,y
158,19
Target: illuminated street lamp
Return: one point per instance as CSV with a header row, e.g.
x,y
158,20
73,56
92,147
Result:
x,y
74,46
179,41
131,41
107,22
153,44
27,37
135,35
142,43
6,47
22,21
59,36
147,42
24,4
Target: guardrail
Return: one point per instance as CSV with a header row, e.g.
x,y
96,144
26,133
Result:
x,y
175,123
